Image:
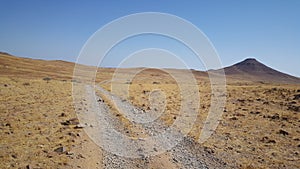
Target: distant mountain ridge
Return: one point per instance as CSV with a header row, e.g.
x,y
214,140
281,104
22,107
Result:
x,y
256,71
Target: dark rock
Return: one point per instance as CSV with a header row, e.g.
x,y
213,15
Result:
x,y
60,149
78,127
72,134
233,118
241,100
275,117
239,114
283,132
100,100
47,79
296,97
267,140
65,123
69,153
257,112
80,156
26,84
73,121
294,108
62,115
209,150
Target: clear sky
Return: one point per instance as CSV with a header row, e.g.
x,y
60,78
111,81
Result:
x,y
268,30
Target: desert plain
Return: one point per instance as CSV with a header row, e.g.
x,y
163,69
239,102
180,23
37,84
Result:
x,y
39,127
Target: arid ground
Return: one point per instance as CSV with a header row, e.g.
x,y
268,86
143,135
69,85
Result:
x,y
39,128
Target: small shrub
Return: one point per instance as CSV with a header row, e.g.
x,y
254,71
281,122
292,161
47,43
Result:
x,y
47,79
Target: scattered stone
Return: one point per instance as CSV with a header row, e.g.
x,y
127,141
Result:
x,y
233,118
72,134
239,114
266,102
49,156
62,115
241,100
65,123
267,140
72,121
275,117
26,84
294,108
296,97
209,150
69,153
100,100
78,126
47,79
60,149
283,132
80,156
257,112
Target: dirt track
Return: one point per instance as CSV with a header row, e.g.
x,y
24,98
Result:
x,y
187,154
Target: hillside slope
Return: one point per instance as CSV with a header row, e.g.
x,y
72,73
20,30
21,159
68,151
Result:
x,y
251,69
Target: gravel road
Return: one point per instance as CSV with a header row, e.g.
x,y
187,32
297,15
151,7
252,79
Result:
x,y
160,146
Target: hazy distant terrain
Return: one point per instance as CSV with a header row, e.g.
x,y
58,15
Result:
x,y
260,126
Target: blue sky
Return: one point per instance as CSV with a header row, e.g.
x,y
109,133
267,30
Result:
x,y
268,30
